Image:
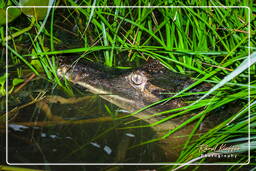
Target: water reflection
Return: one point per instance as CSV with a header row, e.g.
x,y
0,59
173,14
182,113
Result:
x,y
83,132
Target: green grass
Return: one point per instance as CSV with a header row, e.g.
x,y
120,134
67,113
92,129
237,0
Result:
x,y
208,44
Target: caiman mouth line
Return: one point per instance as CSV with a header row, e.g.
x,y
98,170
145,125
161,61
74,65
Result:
x,y
107,95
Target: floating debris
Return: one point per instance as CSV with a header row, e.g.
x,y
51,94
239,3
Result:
x,y
95,144
130,135
16,127
53,136
43,135
108,150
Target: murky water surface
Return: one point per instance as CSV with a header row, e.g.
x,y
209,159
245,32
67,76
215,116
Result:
x,y
81,132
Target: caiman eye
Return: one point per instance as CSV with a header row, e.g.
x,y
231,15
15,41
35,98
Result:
x,y
137,79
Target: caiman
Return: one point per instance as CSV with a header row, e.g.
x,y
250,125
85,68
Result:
x,y
134,89
131,89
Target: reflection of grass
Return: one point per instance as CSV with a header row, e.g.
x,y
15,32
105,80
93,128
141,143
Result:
x,y
206,43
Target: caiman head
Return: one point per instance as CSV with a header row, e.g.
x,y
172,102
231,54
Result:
x,y
129,89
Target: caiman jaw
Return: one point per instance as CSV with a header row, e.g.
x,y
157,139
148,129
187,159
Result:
x,y
78,79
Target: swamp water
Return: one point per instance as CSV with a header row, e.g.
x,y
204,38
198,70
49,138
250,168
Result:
x,y
87,133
